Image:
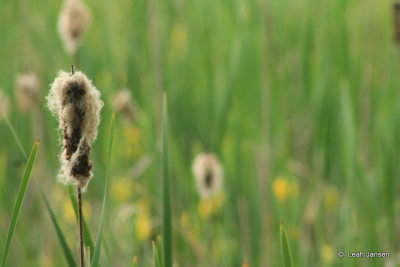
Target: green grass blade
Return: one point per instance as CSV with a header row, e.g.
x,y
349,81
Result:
x,y
160,250
60,235
87,237
167,221
156,258
20,198
17,140
63,242
96,255
285,249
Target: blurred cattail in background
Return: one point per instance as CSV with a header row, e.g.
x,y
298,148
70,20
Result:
x,y
74,21
77,104
123,103
27,91
396,20
4,105
208,173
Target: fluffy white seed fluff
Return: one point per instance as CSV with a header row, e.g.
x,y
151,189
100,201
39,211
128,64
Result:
x,y
26,91
208,173
76,103
4,105
74,21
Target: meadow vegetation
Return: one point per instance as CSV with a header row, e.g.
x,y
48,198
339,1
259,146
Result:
x,y
295,102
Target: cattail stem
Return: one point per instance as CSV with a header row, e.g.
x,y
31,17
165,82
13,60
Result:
x,y
81,253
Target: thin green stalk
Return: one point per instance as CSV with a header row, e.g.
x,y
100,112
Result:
x,y
167,224
87,237
81,247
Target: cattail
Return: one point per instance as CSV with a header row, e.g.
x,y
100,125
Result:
x,y
4,105
208,173
396,17
74,21
77,104
26,91
123,103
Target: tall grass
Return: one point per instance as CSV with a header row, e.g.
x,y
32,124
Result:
x,y
305,90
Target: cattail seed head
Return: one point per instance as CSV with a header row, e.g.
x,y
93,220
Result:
x,y
77,104
73,23
208,174
396,20
4,105
123,103
27,91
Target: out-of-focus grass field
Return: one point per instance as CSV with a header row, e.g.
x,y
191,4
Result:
x,y
299,99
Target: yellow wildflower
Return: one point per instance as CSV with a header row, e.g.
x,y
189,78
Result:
x,y
205,208
143,205
46,260
281,188
327,254
132,135
293,232
211,205
121,189
218,202
179,38
143,226
69,213
87,210
185,220
331,198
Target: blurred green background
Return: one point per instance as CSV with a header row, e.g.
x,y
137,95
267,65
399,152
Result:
x,y
299,99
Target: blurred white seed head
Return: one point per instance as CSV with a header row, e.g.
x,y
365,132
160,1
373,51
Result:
x,y
123,103
27,91
74,21
76,103
4,105
208,173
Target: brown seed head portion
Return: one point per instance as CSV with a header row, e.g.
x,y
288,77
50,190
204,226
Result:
x,y
77,104
74,21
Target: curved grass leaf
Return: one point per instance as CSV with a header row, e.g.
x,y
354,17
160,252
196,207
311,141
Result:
x,y
20,198
60,235
63,242
285,249
167,221
96,255
160,250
